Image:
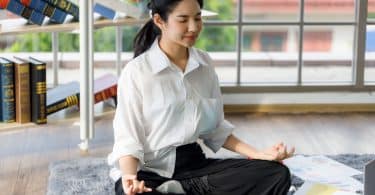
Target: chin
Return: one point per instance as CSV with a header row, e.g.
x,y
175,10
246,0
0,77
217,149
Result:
x,y
189,44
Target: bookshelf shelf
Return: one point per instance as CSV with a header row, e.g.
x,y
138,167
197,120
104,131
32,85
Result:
x,y
69,115
20,26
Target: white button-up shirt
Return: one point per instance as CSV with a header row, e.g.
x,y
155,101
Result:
x,y
160,108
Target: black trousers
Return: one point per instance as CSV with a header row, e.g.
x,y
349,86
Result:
x,y
200,175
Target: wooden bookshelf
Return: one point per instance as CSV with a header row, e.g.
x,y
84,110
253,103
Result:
x,y
20,26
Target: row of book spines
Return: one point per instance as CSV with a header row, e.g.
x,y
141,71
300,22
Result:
x,y
73,100
55,14
23,11
30,89
36,10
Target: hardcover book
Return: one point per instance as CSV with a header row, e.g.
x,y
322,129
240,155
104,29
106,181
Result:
x,y
22,90
105,87
67,95
129,8
62,96
29,14
107,12
38,91
7,91
65,5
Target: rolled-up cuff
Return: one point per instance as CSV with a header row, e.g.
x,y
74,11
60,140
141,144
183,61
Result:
x,y
120,150
217,138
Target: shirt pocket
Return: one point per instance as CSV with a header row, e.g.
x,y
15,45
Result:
x,y
207,116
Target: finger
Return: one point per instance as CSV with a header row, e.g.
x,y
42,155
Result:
x,y
148,189
285,150
291,152
130,190
135,186
277,145
135,189
141,186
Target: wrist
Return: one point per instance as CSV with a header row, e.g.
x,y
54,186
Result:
x,y
253,155
129,177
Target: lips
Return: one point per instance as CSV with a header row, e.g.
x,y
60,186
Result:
x,y
190,37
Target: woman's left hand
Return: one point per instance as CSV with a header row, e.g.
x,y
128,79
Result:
x,y
277,152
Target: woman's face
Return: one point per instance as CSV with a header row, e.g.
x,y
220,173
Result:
x,y
184,24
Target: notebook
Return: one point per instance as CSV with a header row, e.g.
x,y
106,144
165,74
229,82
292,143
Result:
x,y
369,179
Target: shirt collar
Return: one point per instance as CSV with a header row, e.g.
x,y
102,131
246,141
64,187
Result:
x,y
159,61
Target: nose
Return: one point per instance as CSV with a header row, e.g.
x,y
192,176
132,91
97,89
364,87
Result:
x,y
194,26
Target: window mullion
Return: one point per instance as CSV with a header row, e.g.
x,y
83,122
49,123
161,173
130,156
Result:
x,y
360,43
300,41
239,42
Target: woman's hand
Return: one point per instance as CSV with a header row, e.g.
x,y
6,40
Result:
x,y
132,186
277,152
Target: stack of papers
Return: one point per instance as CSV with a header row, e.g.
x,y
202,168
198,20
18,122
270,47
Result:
x,y
311,188
323,170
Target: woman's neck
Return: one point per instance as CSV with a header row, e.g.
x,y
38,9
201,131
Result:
x,y
176,53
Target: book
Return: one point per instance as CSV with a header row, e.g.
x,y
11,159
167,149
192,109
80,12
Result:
x,y
62,96
65,5
7,91
56,15
29,14
38,91
67,95
127,7
105,87
107,12
22,89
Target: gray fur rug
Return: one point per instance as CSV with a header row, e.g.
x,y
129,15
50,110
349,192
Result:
x,y
90,175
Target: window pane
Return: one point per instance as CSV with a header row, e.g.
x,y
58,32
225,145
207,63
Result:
x,y
269,54
226,9
370,54
271,10
220,42
329,10
371,10
328,53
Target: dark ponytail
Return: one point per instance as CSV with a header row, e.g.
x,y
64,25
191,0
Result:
x,y
146,36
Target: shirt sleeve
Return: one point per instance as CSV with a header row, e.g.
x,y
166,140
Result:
x,y
216,139
129,134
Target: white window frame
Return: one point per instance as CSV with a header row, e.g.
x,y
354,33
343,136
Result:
x,y
357,83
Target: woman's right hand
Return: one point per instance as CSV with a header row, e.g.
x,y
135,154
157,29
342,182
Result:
x,y
132,186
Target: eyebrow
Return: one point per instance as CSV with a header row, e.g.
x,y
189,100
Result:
x,y
186,16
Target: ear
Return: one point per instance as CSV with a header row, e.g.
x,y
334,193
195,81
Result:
x,y
158,21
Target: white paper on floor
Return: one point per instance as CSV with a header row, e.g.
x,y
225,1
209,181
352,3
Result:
x,y
321,169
